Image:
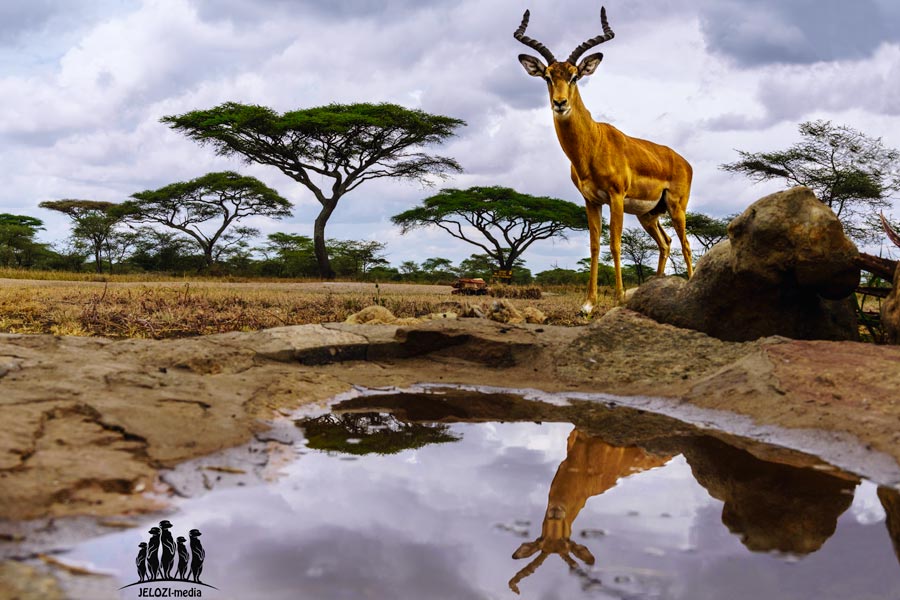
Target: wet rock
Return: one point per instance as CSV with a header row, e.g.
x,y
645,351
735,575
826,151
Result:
x,y
786,269
890,312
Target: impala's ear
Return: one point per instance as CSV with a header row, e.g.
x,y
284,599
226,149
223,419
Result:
x,y
533,66
589,64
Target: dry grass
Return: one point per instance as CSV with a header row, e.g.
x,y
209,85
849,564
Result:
x,y
28,274
532,292
164,311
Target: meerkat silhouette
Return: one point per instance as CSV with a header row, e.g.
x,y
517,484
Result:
x,y
168,550
182,558
197,554
141,561
152,554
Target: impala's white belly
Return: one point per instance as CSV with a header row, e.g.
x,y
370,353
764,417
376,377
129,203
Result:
x,y
634,206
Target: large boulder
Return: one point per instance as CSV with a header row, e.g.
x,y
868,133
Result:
x,y
890,312
786,269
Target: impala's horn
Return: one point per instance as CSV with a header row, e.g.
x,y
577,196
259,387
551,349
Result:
x,y
519,34
892,235
594,41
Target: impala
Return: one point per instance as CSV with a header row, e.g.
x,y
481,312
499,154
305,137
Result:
x,y
590,468
608,167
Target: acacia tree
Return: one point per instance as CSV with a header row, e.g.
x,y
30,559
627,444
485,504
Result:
x,y
331,150
849,171
637,250
354,257
204,208
94,223
707,230
499,220
17,244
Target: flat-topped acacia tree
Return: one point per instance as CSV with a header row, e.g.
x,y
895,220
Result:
x,y
94,223
204,208
331,150
499,220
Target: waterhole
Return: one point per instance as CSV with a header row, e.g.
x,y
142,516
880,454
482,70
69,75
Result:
x,y
459,495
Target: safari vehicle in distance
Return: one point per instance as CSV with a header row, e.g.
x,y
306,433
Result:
x,y
470,287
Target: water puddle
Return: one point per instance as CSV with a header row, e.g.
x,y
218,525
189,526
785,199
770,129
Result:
x,y
459,495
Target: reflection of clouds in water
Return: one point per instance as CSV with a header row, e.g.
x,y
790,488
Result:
x,y
670,489
549,438
333,562
856,563
423,524
866,507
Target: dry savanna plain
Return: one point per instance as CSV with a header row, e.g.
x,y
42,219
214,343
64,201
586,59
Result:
x,y
158,307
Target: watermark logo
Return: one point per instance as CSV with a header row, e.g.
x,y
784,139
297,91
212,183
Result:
x,y
163,560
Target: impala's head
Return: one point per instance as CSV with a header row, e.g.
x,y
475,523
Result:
x,y
555,538
562,76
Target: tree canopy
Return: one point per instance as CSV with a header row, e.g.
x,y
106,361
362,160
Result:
x,y
371,433
852,173
500,221
707,230
637,250
331,150
204,208
95,222
18,247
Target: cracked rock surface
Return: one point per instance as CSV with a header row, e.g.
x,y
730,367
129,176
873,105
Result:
x,y
89,422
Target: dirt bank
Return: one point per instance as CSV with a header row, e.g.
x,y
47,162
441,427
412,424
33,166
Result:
x,y
89,422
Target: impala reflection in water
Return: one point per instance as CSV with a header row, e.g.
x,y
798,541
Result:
x,y
429,509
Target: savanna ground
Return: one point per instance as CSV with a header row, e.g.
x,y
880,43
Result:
x,y
160,307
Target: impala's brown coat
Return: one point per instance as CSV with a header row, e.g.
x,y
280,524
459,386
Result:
x,y
608,167
590,468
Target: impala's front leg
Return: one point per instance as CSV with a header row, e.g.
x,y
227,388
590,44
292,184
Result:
x,y
595,226
616,219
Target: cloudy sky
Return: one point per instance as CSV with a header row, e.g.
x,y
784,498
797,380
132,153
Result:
x,y
84,83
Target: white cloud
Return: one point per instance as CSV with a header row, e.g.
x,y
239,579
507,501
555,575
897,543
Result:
x,y
81,109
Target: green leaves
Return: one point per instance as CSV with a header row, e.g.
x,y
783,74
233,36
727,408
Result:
x,y
499,220
205,207
493,205
852,173
350,143
343,144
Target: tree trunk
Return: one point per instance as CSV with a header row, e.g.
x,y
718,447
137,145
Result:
x,y
882,267
208,257
325,270
98,259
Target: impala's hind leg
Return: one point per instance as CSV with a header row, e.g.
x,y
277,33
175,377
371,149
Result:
x,y
677,208
650,223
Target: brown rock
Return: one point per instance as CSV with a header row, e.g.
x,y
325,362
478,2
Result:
x,y
890,312
783,271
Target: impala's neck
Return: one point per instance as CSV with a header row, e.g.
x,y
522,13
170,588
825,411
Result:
x,y
577,132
